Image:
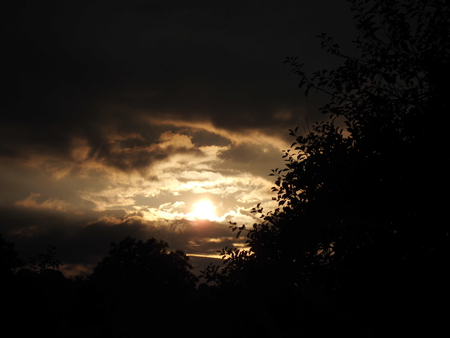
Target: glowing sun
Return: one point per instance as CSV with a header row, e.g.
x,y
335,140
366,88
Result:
x,y
204,210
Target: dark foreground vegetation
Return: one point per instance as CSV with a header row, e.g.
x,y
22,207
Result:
x,y
358,246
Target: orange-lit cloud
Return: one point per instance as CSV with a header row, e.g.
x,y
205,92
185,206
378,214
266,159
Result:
x,y
242,134
51,203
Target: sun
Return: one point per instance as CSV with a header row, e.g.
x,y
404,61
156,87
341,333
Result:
x,y
204,210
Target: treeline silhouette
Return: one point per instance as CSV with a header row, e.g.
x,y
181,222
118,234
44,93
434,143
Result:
x,y
140,289
136,287
358,245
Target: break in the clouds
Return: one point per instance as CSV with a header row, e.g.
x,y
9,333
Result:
x,y
118,117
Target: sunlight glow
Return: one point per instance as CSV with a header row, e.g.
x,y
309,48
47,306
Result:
x,y
204,210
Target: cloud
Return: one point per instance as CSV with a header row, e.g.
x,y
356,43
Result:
x,y
232,172
238,134
51,203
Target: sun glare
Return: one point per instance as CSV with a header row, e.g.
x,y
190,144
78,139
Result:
x,y
204,210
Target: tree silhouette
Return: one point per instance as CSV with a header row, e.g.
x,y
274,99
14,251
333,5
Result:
x,y
143,283
36,292
149,262
360,217
45,261
132,291
9,259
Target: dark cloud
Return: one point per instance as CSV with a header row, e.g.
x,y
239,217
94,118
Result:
x,y
253,158
136,158
219,61
206,138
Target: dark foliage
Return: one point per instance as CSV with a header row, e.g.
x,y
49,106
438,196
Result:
x,y
149,262
360,220
143,284
44,261
9,259
134,291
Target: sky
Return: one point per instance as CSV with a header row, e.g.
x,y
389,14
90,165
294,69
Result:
x,y
121,118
